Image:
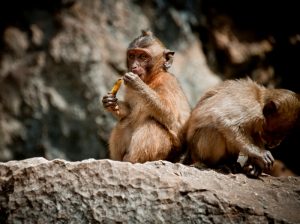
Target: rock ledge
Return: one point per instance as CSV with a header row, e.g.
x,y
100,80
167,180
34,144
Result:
x,y
104,191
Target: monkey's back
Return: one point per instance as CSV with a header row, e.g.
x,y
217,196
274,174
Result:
x,y
234,103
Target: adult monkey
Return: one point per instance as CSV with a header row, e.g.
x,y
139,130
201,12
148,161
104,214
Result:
x,y
154,108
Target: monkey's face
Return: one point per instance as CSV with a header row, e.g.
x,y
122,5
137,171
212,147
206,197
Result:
x,y
276,128
146,61
139,61
281,113
273,138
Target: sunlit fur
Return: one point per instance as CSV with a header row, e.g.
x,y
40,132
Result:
x,y
151,117
229,119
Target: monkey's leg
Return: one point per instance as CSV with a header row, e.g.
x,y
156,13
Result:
x,y
148,143
118,143
208,145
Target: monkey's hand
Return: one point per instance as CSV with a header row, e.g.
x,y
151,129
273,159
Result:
x,y
110,102
265,159
252,170
133,81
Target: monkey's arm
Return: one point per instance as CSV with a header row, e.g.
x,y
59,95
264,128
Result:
x,y
159,107
246,146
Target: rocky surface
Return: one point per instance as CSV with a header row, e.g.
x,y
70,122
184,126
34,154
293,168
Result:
x,y
104,191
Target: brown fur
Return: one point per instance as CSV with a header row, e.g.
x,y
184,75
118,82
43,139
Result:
x,y
240,116
153,111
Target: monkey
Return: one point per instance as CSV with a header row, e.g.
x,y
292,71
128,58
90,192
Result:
x,y
154,108
240,116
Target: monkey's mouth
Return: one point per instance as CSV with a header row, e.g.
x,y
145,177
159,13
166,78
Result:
x,y
137,71
273,144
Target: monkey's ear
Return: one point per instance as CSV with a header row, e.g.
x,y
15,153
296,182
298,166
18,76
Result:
x,y
269,108
147,32
169,55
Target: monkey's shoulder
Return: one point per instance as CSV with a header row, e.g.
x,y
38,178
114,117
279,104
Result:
x,y
166,82
236,92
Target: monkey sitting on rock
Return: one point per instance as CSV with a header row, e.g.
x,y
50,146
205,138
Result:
x,y
154,109
240,116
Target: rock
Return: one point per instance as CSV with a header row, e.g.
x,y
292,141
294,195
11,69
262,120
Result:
x,y
16,40
59,58
106,191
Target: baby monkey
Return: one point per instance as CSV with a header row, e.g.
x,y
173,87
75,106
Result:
x,y
240,117
154,108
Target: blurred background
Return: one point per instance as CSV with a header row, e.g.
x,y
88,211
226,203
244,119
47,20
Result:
x,y
59,57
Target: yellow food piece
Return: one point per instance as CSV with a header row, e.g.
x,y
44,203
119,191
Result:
x,y
116,87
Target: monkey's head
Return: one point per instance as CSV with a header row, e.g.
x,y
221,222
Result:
x,y
281,112
147,56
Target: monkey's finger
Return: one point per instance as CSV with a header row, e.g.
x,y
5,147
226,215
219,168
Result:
x,y
128,77
109,99
271,158
133,75
126,80
266,163
112,108
270,163
110,104
109,94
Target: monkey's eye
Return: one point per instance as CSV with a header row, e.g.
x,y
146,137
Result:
x,y
131,56
143,57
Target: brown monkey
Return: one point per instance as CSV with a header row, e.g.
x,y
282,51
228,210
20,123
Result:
x,y
240,116
154,108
